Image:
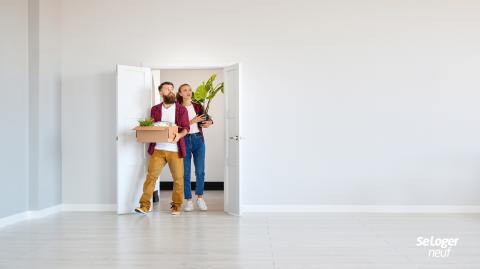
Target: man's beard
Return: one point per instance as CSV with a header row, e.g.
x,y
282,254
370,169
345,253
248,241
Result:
x,y
169,99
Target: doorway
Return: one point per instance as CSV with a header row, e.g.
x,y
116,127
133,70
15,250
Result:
x,y
136,94
214,137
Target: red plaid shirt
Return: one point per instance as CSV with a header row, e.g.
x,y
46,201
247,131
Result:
x,y
181,119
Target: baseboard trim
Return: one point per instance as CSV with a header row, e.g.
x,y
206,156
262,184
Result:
x,y
208,185
5,221
89,207
31,214
34,214
360,209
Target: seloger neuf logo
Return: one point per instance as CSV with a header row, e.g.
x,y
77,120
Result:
x,y
438,247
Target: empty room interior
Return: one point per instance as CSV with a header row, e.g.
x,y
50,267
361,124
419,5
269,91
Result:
x,y
240,134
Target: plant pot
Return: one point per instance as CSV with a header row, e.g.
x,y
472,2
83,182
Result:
x,y
207,118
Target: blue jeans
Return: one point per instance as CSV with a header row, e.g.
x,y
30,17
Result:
x,y
195,146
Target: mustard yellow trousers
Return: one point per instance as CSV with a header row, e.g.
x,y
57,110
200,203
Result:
x,y
155,165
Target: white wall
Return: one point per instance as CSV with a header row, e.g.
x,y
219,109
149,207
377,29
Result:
x,y
13,108
215,135
49,113
30,158
44,103
383,94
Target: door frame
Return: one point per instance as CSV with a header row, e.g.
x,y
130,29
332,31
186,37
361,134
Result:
x,y
215,66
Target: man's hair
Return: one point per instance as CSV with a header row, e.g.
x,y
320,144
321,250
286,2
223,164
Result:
x,y
165,83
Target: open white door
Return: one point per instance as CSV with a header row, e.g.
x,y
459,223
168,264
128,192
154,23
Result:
x,y
134,100
232,150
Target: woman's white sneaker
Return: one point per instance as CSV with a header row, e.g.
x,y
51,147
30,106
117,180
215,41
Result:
x,y
188,205
201,204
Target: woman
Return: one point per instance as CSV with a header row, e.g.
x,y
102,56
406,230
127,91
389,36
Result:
x,y
195,146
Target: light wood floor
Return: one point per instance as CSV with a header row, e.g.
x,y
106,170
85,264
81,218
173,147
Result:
x,y
214,200
215,240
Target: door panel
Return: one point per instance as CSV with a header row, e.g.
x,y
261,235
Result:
x,y
232,150
134,100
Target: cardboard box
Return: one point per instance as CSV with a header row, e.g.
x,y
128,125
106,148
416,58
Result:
x,y
156,134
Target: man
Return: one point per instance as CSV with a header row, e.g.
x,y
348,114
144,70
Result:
x,y
162,153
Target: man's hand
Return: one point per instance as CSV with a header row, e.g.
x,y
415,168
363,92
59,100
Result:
x,y
206,124
197,119
177,138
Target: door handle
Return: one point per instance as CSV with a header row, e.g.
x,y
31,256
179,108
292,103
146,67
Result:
x,y
236,138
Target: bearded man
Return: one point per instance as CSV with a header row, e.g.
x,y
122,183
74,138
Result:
x,y
167,153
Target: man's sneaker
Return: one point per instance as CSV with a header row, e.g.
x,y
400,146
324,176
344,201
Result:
x,y
201,204
175,209
143,210
188,205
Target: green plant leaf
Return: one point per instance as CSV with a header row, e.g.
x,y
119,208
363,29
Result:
x,y
218,88
146,122
222,88
200,93
205,92
209,83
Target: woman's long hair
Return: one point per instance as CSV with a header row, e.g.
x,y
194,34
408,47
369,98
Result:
x,y
179,97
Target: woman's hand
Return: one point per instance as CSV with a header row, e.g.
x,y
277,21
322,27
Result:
x,y
206,124
197,119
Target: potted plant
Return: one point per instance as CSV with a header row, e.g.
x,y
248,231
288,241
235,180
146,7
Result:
x,y
205,93
145,122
